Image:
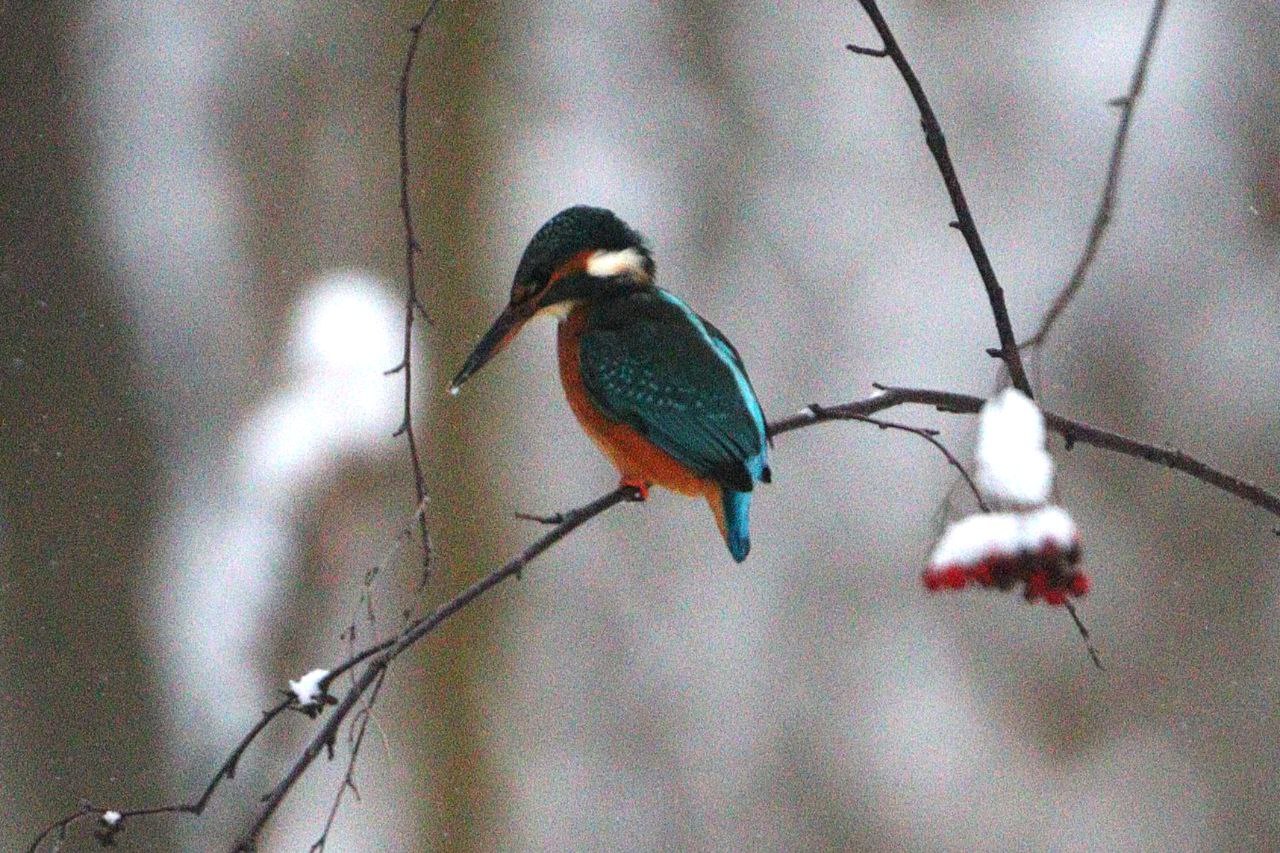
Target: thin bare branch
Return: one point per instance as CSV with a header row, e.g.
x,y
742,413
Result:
x,y
933,137
360,725
58,829
884,398
226,771
553,518
388,651
1084,635
1102,218
1073,431
929,435
413,303
379,656
413,308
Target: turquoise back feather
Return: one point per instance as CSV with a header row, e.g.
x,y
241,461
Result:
x,y
650,362
647,360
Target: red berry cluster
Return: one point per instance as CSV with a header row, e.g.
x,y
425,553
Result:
x,y
1046,573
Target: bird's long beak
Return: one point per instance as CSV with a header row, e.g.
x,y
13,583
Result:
x,y
504,328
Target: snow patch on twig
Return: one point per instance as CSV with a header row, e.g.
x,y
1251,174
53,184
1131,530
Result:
x,y
307,691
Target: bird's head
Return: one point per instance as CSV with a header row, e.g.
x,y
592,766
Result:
x,y
580,254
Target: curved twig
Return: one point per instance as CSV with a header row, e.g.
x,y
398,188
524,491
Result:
x,y
380,655
413,303
933,137
1073,431
412,634
929,435
384,653
226,771
1102,218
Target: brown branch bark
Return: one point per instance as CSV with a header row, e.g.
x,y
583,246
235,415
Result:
x,y
226,771
929,435
388,651
413,303
1073,431
937,142
380,655
1102,218
884,398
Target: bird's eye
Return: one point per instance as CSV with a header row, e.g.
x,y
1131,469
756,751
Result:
x,y
524,290
528,287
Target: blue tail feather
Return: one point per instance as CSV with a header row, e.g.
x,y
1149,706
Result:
x,y
736,522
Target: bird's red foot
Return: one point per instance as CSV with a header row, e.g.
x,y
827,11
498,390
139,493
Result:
x,y
641,488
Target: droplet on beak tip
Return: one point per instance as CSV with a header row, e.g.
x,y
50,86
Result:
x,y
454,389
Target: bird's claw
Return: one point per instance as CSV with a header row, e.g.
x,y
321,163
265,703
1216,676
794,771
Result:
x,y
639,490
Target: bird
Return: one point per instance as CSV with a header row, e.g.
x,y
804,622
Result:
x,y
658,388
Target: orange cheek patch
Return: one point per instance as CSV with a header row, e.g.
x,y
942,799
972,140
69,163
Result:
x,y
575,264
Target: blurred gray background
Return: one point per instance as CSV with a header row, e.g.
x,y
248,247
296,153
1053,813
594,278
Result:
x,y
200,285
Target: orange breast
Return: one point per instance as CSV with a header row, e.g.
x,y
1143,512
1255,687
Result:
x,y
635,457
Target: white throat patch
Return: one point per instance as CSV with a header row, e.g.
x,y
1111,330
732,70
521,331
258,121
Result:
x,y
559,311
628,261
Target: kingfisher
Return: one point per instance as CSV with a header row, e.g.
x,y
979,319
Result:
x,y
659,389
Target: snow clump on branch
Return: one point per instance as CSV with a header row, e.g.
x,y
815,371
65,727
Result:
x,y
1029,542
307,691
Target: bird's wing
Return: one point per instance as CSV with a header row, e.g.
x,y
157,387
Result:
x,y
718,338
651,363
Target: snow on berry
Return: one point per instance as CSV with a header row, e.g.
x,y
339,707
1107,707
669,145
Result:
x,y
1000,550
970,540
